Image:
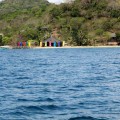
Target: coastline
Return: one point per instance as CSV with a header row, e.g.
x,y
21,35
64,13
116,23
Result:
x,y
65,47
76,47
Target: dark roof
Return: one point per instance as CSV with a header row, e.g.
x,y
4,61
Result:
x,y
112,40
52,39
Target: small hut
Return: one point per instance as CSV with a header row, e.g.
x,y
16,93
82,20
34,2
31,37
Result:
x,y
28,44
52,42
112,41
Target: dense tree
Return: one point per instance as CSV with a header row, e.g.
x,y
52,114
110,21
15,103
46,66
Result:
x,y
1,38
118,36
79,22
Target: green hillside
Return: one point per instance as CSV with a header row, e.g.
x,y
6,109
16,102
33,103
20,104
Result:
x,y
82,22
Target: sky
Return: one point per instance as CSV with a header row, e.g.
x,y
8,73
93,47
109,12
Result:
x,y
56,1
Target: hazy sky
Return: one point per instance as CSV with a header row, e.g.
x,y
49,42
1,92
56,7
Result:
x,y
55,1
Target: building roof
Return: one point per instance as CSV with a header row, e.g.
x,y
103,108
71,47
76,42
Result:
x,y
113,35
52,39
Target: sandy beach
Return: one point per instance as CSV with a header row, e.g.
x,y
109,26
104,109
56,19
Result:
x,y
67,47
77,47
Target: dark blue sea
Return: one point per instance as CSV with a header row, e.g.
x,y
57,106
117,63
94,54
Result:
x,y
60,84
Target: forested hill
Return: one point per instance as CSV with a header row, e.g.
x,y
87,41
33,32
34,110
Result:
x,y
8,6
82,22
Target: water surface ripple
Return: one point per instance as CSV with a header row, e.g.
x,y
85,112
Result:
x,y
60,84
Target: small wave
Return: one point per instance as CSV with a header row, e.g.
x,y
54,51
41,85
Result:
x,y
40,108
80,86
43,64
85,118
49,99
29,108
36,100
34,108
116,63
21,78
43,100
50,107
17,113
22,100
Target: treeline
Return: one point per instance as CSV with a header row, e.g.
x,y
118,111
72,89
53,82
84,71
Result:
x,y
81,22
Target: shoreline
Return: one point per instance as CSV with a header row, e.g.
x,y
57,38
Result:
x,y
66,47
76,47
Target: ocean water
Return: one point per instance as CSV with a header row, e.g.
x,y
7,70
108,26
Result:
x,y
60,84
